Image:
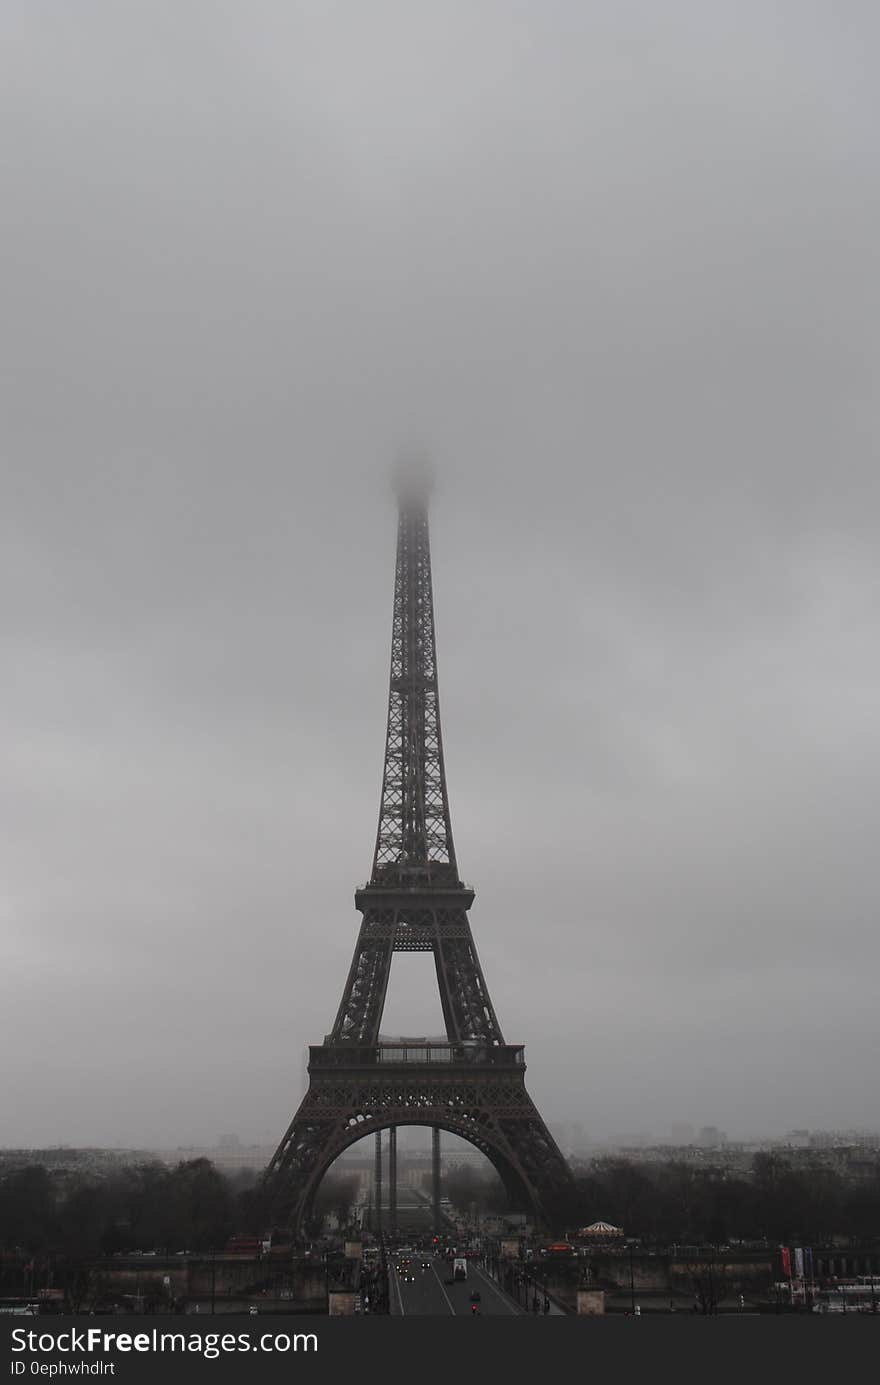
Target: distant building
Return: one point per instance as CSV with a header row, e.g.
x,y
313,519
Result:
x,y
710,1137
798,1139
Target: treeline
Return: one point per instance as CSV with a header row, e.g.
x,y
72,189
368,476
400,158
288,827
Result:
x,y
192,1207
675,1202
472,1190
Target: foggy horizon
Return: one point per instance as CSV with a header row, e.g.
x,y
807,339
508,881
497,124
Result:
x,y
615,270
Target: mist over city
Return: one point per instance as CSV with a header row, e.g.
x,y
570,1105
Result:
x,y
614,268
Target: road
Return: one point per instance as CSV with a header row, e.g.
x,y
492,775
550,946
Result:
x,y
434,1294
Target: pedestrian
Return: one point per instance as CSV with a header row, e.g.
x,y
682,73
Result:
x,y
535,1304
546,1305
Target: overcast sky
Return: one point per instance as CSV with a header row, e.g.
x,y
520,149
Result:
x,y
616,266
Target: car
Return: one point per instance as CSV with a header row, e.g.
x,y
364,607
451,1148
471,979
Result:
x,y
475,1296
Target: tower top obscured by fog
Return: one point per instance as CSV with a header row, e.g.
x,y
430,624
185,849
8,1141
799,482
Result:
x,y
412,477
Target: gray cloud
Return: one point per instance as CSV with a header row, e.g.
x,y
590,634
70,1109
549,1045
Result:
x,y
616,266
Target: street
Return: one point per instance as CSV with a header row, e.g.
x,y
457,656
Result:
x,y
433,1293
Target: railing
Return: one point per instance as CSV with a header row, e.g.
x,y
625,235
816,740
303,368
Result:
x,y
414,874
470,1054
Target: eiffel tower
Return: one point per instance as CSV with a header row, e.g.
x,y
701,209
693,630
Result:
x,y
473,1083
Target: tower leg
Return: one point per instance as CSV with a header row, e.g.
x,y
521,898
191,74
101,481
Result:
x,y
378,1181
392,1179
435,1177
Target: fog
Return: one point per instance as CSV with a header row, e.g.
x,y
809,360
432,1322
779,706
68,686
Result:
x,y
614,265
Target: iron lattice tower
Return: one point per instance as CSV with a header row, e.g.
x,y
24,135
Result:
x,y
473,1084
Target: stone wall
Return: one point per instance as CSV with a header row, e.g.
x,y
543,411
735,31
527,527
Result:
x,y
204,1280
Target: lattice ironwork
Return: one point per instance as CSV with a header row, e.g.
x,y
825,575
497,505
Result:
x,y
415,902
414,838
490,1109
413,925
